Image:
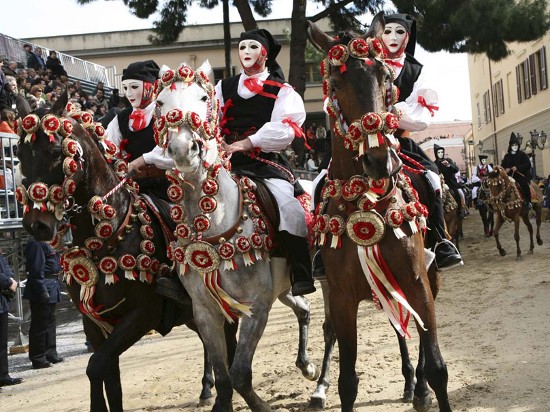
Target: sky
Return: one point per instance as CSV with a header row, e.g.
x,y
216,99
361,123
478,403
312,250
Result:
x,y
448,73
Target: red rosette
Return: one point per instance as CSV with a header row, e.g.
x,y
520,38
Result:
x,y
170,251
50,124
260,224
333,188
332,112
144,218
155,265
242,244
174,117
394,218
107,212
168,77
147,231
355,132
143,262
86,119
160,125
226,251
104,229
38,192
202,257
214,171
21,195
358,185
366,204
108,265
255,210
391,123
321,223
210,187
359,48
326,85
379,185
207,204
247,183
422,209
338,55
70,166
56,194
347,192
178,254
127,262
176,213
99,130
193,120
69,146
250,195
83,271
323,69
409,211
182,231
256,241
336,225
371,122
30,123
375,46
147,246
201,223
140,205
69,187
66,129
110,148
186,74
349,144
70,107
268,241
93,243
175,193
365,228
172,176
95,204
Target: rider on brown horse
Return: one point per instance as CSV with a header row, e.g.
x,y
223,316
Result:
x,y
517,165
417,103
481,171
448,168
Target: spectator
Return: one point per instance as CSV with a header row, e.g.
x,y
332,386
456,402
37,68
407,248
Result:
x,y
101,100
114,100
8,94
23,86
35,60
43,292
100,113
2,74
8,286
99,86
310,163
32,74
7,121
10,69
54,64
37,91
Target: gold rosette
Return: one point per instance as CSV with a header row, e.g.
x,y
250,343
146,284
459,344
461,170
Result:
x,y
365,228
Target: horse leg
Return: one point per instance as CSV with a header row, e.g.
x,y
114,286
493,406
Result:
x,y
498,225
422,396
94,336
406,368
538,214
252,329
301,308
319,396
527,221
516,237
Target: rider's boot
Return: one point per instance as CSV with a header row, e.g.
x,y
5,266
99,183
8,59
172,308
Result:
x,y
446,254
169,285
300,264
319,272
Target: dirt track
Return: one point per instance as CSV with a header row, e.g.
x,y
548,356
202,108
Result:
x,y
493,318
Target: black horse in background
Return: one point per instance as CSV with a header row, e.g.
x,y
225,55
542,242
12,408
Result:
x,y
485,210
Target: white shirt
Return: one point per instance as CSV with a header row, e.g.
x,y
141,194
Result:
x,y
156,156
274,136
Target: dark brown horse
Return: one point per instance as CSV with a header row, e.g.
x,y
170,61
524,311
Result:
x,y
119,244
370,215
453,217
508,205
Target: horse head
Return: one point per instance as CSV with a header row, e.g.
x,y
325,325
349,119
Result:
x,y
359,95
186,117
497,181
55,157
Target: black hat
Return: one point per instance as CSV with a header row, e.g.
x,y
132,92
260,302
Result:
x,y
437,147
513,139
409,23
481,157
27,45
147,71
272,46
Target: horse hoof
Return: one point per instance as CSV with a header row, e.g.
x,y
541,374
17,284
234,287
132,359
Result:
x,y
502,252
530,252
316,404
408,396
206,401
311,372
422,404
539,241
518,258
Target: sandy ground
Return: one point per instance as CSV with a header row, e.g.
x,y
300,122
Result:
x,y
493,316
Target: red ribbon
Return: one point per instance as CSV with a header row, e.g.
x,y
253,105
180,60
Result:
x,y
139,120
394,63
254,85
298,132
423,103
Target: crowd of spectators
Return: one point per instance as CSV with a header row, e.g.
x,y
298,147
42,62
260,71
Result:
x,y
41,82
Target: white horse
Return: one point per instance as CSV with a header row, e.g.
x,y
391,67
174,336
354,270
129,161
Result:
x,y
222,250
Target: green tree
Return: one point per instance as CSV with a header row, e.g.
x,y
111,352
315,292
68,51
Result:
x,y
470,26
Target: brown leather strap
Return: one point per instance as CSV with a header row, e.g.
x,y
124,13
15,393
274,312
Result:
x,y
149,171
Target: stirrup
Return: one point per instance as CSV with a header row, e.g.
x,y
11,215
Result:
x,y
453,259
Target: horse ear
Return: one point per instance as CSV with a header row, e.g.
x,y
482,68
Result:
x,y
376,26
22,105
206,68
60,104
318,38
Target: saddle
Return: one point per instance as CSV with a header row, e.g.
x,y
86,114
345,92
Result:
x,y
267,203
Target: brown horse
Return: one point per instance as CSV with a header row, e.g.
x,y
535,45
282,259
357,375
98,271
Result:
x,y
453,219
370,223
508,205
120,246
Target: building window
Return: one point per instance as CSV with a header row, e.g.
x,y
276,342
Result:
x,y
518,83
541,59
313,73
533,74
526,79
478,116
487,107
219,73
499,97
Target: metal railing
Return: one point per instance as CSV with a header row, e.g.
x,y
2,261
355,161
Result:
x,y
12,49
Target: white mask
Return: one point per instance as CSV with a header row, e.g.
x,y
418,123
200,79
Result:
x,y
395,39
440,153
252,55
133,90
514,148
483,162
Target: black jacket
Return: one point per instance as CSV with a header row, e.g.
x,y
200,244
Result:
x,y
42,265
6,274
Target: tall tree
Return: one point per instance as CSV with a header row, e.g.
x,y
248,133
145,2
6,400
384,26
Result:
x,y
470,26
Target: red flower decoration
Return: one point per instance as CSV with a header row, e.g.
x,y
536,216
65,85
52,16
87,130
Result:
x,y
176,213
175,193
391,122
182,231
70,147
99,130
93,243
30,123
338,54
260,224
371,122
127,262
147,247
194,120
323,68
243,244
66,128
111,147
86,119
107,212
167,77
174,117
108,265
143,262
364,230
201,223
56,194
375,46
95,204
147,231
178,254
144,218
394,217
255,210
70,166
207,204
21,195
226,251
201,259
359,48
38,192
186,74
210,187
104,230
256,241
69,187
336,225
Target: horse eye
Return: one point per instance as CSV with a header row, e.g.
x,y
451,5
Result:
x,y
204,99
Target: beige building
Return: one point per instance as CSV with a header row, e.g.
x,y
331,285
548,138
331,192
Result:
x,y
512,96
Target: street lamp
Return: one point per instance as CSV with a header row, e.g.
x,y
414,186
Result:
x,y
537,141
488,151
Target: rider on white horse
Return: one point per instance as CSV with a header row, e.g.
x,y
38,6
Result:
x,y
260,116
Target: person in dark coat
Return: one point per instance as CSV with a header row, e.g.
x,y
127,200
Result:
x,y
518,166
43,290
8,286
54,64
448,168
